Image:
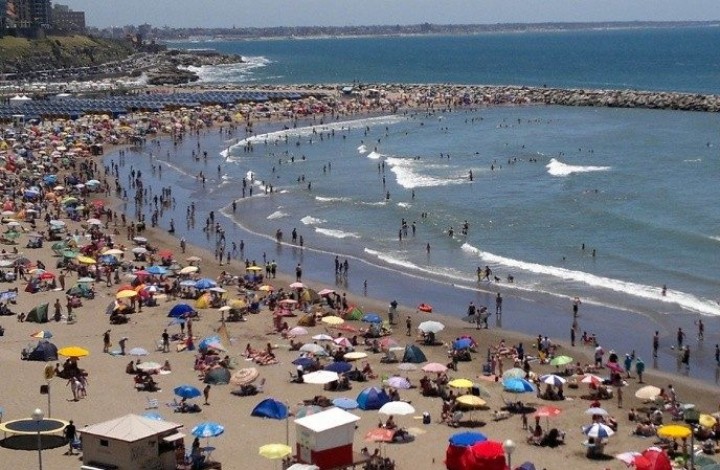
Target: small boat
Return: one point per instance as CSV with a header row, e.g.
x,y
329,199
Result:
x,y
425,308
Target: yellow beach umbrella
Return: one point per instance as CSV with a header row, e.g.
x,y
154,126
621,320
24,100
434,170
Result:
x,y
113,252
73,351
189,270
238,304
354,356
85,259
707,420
125,294
333,320
254,268
674,431
266,288
275,451
471,400
460,383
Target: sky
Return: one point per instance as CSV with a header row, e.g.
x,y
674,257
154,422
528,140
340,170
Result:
x,y
262,13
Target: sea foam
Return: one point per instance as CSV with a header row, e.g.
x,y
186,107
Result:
x,y
684,300
277,215
309,220
558,168
407,174
334,233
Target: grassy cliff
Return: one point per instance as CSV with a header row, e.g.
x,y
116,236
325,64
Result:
x,y
55,52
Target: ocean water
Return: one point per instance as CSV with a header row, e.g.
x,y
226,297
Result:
x,y
636,187
675,59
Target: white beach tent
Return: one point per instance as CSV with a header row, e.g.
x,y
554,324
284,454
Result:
x,y
302,466
18,100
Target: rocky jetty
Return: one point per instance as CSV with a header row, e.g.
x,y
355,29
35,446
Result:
x,y
172,67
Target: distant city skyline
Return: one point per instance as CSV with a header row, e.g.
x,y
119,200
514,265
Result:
x,y
251,13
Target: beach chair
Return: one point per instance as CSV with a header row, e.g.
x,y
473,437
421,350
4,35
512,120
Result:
x,y
152,403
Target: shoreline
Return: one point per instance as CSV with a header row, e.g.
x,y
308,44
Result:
x,y
526,312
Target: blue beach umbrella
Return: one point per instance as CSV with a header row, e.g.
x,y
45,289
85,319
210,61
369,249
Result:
x,y
598,431
467,438
187,391
518,386
340,367
303,361
345,403
208,429
205,283
372,318
462,343
156,270
552,379
180,310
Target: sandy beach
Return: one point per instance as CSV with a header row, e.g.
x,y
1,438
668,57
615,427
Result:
x,y
111,392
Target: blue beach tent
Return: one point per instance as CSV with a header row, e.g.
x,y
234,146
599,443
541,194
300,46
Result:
x,y
372,398
270,408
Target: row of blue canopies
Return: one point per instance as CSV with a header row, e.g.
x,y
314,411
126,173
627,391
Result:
x,y
118,105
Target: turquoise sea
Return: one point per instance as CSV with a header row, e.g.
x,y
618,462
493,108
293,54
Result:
x,y
638,188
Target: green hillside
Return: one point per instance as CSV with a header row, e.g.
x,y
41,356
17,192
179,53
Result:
x,y
53,52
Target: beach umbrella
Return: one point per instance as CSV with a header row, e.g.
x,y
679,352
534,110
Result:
x,y
343,342
434,368
460,383
165,254
298,331
113,252
154,415
207,429
398,408
372,318
148,366
138,352
400,383
326,292
552,379
275,451
42,334
189,270
187,391
471,401
407,366
94,222
297,285
547,411
193,259
321,377
73,351
387,343
205,283
304,362
180,309
312,348
140,240
591,379
462,343
340,367
139,250
244,376
266,288
467,438
707,420
518,386
332,320
125,294
514,373
187,283
596,411
431,327
354,356
249,268
157,270
380,435
598,431
345,403
674,431
322,337
648,392
85,280
561,360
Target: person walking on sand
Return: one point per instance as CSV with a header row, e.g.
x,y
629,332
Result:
x,y
70,433
106,341
408,325
165,341
123,343
206,394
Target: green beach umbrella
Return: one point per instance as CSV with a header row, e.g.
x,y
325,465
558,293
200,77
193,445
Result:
x,y
561,360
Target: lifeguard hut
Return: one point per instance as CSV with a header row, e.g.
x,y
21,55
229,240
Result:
x,y
325,439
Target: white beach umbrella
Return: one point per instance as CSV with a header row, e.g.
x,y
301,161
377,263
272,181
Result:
x,y
321,377
399,408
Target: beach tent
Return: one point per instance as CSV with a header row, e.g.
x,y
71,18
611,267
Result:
x,y
270,408
44,351
413,354
180,310
458,443
38,314
372,398
355,314
217,376
203,301
527,466
486,455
